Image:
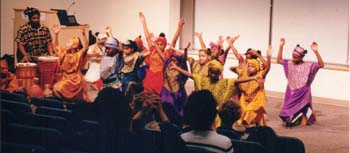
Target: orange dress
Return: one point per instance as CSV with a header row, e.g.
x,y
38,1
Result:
x,y
154,72
9,83
72,84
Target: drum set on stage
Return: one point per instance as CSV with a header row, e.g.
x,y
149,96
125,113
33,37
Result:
x,y
47,70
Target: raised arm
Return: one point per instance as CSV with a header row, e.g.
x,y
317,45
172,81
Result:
x,y
280,50
314,47
56,30
84,40
231,41
200,38
153,42
182,71
178,31
109,31
268,64
186,49
145,28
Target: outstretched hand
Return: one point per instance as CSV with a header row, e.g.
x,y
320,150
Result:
x,y
56,28
141,17
172,66
188,44
314,46
181,21
108,29
282,41
198,34
220,40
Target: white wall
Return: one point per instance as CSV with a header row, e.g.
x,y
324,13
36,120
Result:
x,y
122,16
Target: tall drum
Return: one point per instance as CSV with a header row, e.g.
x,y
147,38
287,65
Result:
x,y
25,72
48,70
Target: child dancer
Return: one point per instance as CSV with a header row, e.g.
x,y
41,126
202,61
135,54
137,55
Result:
x,y
297,107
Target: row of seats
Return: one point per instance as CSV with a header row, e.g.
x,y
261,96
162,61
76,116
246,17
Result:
x,y
52,129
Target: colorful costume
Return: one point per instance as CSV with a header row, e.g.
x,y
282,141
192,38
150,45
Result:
x,y
173,91
298,98
197,68
93,73
154,72
72,84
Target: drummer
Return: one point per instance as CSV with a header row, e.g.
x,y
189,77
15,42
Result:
x,y
33,39
8,81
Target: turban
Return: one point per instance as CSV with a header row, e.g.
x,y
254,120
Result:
x,y
214,46
112,43
255,62
299,51
162,40
216,64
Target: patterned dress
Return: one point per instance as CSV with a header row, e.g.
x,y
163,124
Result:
x,y
252,102
298,98
197,68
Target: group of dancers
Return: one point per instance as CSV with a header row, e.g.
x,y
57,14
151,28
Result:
x,y
133,68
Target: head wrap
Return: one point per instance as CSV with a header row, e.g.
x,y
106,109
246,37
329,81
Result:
x,y
299,51
139,43
30,12
112,43
162,40
214,46
216,64
255,62
178,57
130,44
101,36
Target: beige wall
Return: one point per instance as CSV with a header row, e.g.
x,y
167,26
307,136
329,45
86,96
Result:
x,y
7,18
121,15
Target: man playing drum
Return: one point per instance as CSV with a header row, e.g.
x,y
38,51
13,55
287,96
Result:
x,y
33,39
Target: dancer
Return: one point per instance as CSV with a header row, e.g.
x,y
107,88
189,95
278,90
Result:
x,y
154,73
72,86
297,108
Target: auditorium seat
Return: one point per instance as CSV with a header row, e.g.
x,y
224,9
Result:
x,y
47,102
54,112
50,139
240,146
15,107
290,145
14,97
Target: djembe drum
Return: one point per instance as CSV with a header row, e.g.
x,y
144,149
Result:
x,y
25,73
48,69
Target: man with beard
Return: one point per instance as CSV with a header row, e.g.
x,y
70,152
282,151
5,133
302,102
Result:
x,y
33,39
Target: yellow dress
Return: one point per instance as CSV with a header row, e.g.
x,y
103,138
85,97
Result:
x,y
222,90
197,68
252,102
72,84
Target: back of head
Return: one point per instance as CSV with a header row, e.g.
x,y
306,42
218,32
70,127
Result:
x,y
200,110
112,107
230,112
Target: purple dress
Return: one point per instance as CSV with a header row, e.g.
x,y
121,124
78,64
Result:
x,y
173,91
298,99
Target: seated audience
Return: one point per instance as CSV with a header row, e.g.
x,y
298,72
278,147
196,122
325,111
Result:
x,y
230,113
8,81
200,111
